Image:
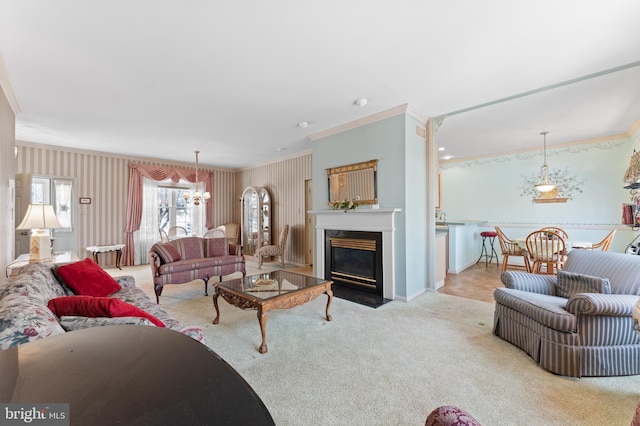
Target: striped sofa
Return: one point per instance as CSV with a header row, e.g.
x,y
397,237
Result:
x,y
582,334
187,259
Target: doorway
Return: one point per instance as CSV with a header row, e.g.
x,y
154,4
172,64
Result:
x,y
59,192
309,222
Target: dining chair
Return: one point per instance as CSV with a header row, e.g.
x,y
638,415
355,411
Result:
x,y
546,250
605,244
557,231
214,233
163,236
511,249
177,232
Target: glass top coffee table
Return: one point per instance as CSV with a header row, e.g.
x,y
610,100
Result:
x,y
272,290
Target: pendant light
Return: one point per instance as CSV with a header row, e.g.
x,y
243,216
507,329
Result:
x,y
196,195
544,185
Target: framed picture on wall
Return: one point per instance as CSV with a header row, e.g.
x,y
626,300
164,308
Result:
x,y
85,200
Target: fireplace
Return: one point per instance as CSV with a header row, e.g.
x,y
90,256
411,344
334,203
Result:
x,y
377,221
354,260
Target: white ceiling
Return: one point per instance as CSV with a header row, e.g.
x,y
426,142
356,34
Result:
x,y
161,79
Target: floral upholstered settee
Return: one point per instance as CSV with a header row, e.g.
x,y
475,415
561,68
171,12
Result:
x,y
187,259
578,323
25,313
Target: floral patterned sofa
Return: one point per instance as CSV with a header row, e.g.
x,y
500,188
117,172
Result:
x,y
25,314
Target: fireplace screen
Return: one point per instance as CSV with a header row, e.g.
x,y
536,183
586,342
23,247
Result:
x,y
354,259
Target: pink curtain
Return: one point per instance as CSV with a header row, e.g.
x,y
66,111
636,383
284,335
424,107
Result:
x,y
134,205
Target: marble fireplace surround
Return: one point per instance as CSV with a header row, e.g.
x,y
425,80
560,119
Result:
x,y
369,220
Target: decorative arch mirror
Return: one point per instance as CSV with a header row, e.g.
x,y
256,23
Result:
x,y
354,181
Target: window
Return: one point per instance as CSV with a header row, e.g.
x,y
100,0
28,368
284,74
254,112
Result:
x,y
172,209
41,193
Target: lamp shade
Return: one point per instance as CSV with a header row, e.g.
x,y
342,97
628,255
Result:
x,y
40,216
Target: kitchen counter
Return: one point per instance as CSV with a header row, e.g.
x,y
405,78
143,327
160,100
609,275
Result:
x,y
464,243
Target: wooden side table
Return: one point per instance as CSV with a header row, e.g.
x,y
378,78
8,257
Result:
x,y
106,249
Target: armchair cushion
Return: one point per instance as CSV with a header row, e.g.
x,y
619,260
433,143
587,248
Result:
x,y
87,278
87,306
545,309
570,283
168,253
534,283
612,305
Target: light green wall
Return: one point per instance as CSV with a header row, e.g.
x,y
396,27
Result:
x,y
489,189
401,184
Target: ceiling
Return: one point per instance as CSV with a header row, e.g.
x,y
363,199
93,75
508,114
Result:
x,y
233,79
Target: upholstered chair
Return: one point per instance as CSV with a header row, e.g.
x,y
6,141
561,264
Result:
x,y
214,233
232,230
274,250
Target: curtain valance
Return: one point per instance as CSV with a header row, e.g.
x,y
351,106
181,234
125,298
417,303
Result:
x,y
158,173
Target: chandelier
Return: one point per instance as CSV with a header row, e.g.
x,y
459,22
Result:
x,y
544,185
196,195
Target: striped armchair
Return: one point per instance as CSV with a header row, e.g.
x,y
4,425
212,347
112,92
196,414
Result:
x,y
578,323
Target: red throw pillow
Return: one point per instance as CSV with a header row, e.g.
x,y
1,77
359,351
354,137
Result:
x,y
87,278
88,306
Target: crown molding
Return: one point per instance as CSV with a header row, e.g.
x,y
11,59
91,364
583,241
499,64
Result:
x,y
278,160
635,127
606,139
383,115
147,160
7,88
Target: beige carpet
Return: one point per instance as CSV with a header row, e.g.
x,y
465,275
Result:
x,y
394,364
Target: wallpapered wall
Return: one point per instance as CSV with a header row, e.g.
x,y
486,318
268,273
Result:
x,y
285,181
104,179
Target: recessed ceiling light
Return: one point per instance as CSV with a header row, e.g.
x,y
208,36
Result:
x,y
281,149
441,148
447,157
361,102
303,124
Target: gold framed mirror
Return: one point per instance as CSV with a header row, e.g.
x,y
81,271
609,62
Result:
x,y
357,181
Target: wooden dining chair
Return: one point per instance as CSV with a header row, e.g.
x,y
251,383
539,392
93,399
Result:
x,y
546,250
511,249
557,231
605,244
177,232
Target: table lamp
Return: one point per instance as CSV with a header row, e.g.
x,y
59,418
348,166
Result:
x,y
38,218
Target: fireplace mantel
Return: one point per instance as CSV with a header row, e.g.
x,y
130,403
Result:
x,y
371,220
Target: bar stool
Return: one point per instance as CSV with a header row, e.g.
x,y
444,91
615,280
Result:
x,y
491,235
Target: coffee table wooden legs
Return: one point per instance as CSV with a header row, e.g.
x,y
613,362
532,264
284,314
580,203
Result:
x,y
264,306
215,304
329,299
262,318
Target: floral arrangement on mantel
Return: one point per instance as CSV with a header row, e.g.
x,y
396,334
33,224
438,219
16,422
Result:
x,y
346,205
566,186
